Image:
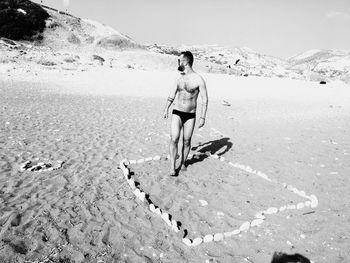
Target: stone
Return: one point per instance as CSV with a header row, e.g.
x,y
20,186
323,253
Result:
x,y
187,241
307,203
125,171
264,176
282,208
131,182
302,193
182,233
142,196
294,190
290,188
197,241
300,205
208,238
228,234
140,160
124,161
203,202
271,210
174,223
137,192
291,207
158,211
152,208
218,237
256,222
314,201
235,232
260,216
166,218
222,159
220,213
215,156
133,162
175,226
156,158
245,226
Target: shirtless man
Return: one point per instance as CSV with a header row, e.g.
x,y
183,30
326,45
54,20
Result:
x,y
187,86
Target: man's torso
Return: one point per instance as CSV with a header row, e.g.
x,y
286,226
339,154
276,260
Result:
x,y
188,90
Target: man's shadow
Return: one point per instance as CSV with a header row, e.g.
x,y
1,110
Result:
x,y
212,147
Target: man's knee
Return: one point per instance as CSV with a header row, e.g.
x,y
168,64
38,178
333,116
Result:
x,y
174,140
187,142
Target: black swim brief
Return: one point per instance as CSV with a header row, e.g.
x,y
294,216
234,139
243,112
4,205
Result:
x,y
184,116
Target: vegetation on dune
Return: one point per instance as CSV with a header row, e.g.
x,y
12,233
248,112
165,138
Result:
x,y
21,19
119,42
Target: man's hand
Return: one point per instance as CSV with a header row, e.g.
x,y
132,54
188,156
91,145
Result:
x,y
165,114
201,122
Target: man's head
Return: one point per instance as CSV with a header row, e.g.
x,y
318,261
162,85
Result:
x,y
185,59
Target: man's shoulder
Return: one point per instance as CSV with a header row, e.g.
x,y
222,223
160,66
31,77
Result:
x,y
199,78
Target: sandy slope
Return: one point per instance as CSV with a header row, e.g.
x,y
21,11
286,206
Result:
x,y
296,132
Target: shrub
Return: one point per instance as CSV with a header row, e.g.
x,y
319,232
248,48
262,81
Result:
x,y
73,39
98,58
46,62
69,60
16,25
116,41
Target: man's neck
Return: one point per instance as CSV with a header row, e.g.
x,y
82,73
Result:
x,y
188,70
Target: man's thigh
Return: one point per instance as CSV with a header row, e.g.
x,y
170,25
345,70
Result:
x,y
176,125
188,128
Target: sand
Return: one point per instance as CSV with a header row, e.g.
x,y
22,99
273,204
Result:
x,y
295,132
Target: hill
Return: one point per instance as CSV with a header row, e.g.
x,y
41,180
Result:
x,y
317,64
61,41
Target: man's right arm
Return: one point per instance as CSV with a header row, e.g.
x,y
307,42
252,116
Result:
x,y
171,98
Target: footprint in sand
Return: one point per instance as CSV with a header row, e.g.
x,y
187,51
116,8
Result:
x,y
16,221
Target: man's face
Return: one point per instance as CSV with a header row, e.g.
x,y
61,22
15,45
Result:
x,y
182,62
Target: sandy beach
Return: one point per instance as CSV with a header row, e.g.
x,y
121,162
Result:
x,y
296,132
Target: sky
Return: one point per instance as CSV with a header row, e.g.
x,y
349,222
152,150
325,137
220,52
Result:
x,y
280,28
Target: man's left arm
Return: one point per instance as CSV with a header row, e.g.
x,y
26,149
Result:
x,y
204,95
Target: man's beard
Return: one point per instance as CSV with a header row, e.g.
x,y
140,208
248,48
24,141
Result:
x,y
181,68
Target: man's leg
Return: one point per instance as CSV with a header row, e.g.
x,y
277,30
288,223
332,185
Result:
x,y
188,128
174,139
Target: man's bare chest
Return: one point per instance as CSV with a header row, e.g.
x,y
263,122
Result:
x,y
188,85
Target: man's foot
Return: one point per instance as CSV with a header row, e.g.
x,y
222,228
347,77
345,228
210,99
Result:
x,y
172,172
183,168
